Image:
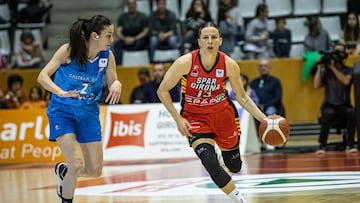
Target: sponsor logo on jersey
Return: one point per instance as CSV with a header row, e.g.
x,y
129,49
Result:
x,y
127,129
219,73
103,62
195,71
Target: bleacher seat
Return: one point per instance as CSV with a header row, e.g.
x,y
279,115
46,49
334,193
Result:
x,y
171,5
185,5
334,6
213,9
271,24
297,50
5,12
136,58
279,7
333,25
247,7
167,55
306,7
237,54
5,42
297,28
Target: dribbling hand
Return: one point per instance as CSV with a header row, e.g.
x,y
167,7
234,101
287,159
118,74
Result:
x,y
114,93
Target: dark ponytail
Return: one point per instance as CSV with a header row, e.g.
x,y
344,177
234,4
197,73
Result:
x,y
80,32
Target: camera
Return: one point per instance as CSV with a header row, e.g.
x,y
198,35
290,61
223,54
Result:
x,y
328,56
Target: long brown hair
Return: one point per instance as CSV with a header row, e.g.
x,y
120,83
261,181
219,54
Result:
x,y
352,34
80,32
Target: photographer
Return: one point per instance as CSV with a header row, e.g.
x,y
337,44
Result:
x,y
337,79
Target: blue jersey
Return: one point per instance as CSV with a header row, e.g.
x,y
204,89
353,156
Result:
x,y
87,79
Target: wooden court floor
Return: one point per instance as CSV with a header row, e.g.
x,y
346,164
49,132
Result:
x,y
265,178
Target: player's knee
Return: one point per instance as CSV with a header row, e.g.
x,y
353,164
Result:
x,y
76,167
207,155
232,160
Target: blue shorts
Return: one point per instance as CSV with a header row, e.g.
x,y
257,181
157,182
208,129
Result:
x,y
83,121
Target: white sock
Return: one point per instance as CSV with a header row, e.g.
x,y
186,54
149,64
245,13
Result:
x,y
237,196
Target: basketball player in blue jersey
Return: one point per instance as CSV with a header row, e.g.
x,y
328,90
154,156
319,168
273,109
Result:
x,y
80,67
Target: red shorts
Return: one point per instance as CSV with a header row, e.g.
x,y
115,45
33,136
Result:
x,y
225,125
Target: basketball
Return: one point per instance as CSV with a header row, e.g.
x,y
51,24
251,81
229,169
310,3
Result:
x,y
274,130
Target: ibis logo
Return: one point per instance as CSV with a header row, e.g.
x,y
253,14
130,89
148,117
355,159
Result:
x,y
127,129
249,184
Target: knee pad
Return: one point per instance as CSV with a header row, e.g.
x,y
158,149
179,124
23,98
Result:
x,y
207,155
232,160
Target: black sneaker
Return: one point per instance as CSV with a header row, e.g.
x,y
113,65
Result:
x,y
60,171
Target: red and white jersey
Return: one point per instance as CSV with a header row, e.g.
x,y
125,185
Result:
x,y
204,91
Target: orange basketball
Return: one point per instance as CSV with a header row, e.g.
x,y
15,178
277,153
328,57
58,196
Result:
x,y
274,130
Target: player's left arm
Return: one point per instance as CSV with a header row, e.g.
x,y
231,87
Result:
x,y
233,73
113,82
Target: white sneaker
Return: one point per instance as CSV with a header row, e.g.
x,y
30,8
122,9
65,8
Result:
x,y
237,196
60,171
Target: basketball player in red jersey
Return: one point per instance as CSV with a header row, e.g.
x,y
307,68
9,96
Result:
x,y
208,116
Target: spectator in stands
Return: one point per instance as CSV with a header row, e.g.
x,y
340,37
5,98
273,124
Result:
x,y
162,23
350,35
3,61
336,78
197,15
150,89
30,54
35,12
234,14
228,29
137,94
269,90
318,38
47,97
35,100
281,37
257,35
132,31
14,96
249,91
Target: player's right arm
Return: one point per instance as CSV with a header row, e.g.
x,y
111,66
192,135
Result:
x,y
60,57
179,68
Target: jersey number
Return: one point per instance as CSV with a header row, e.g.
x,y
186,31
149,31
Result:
x,y
205,94
83,90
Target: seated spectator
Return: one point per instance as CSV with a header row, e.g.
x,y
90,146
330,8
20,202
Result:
x,y
137,94
3,61
132,31
163,34
336,78
35,100
250,92
197,15
150,89
350,35
257,35
30,54
281,37
318,38
14,96
47,97
269,90
228,28
35,12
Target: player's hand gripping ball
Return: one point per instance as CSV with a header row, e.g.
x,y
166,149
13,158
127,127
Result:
x,y
274,130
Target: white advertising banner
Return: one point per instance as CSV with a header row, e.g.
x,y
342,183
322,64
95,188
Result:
x,y
147,131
